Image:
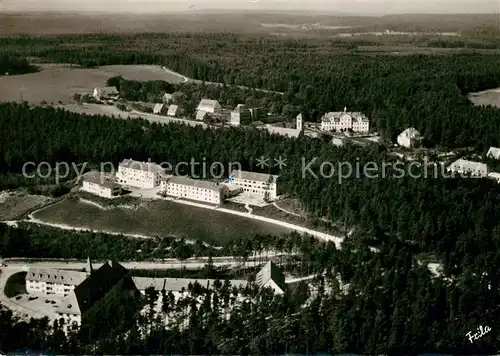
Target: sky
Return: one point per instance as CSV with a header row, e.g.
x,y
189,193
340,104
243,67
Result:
x,y
362,7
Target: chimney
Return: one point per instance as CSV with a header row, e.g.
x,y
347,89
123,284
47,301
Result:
x,y
345,108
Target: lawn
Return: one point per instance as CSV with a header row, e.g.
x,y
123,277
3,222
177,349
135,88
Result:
x,y
158,218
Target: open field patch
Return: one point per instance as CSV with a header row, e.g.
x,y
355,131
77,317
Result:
x,y
487,97
15,204
58,83
158,218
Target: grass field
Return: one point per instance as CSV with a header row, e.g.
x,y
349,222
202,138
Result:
x,y
54,83
158,218
15,204
488,97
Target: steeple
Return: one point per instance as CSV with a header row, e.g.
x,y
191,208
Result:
x,y
345,108
89,268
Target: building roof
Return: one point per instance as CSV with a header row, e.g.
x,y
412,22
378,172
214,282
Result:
x,y
101,178
93,288
200,115
195,183
167,96
53,275
106,91
142,166
158,107
208,103
411,133
462,164
336,115
283,131
172,109
260,177
494,175
271,271
241,108
177,284
493,152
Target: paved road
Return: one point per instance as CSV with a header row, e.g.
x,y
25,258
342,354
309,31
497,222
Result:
x,y
197,81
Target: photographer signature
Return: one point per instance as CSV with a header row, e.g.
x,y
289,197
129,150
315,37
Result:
x,y
481,331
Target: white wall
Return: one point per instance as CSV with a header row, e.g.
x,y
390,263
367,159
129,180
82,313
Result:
x,y
137,178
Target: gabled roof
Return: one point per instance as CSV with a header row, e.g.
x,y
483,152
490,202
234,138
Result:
x,y
493,152
177,284
208,103
271,271
172,109
336,115
158,108
411,133
52,275
260,177
106,91
93,289
200,115
462,164
241,108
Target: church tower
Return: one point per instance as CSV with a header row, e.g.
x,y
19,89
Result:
x,y
299,126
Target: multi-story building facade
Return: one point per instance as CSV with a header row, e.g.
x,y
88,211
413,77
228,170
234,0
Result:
x,y
343,121
474,169
261,184
101,185
194,189
53,281
144,175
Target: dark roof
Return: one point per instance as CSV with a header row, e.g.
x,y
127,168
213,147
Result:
x,y
271,271
95,287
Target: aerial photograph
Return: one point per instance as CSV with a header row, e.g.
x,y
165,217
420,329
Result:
x,y
249,177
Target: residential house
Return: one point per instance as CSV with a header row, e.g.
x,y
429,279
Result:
x,y
145,175
493,152
173,110
194,189
342,121
409,138
210,106
261,184
167,98
160,109
474,169
100,184
105,93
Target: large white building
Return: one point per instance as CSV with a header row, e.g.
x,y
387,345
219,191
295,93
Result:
x,y
342,121
474,169
210,106
105,93
145,175
409,138
53,281
271,276
195,189
261,184
101,185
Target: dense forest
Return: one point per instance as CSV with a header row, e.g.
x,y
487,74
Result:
x,y
424,91
11,65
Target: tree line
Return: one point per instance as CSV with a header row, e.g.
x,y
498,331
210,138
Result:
x,y
427,92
